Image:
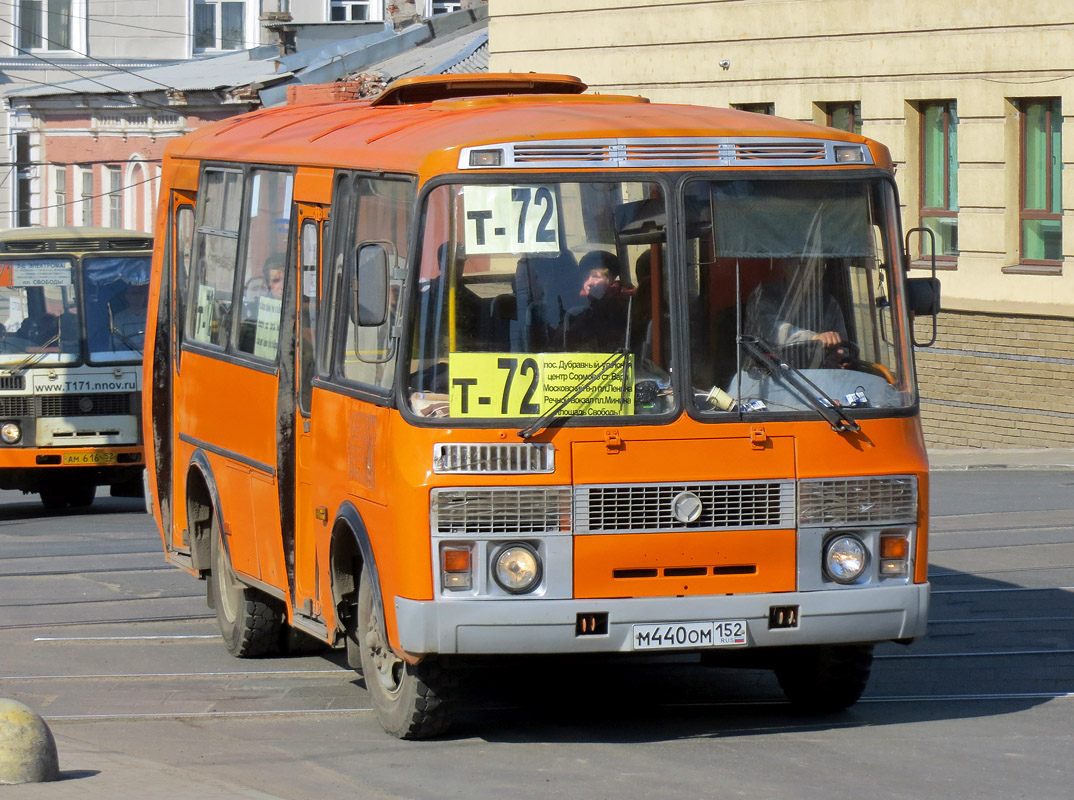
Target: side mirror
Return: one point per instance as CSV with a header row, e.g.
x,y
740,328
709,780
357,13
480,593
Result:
x,y
371,285
923,296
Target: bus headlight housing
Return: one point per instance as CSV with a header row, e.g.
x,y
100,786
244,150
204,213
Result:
x,y
10,432
845,558
517,568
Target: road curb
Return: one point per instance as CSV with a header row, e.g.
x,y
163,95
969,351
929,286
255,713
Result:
x,y
27,749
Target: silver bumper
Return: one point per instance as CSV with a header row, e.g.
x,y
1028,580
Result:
x,y
873,614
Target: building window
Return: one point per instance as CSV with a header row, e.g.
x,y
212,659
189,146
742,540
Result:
x,y
59,193
1041,180
45,24
843,116
939,176
87,195
114,183
219,25
756,108
434,7
355,10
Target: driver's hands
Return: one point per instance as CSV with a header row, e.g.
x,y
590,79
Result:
x,y
828,338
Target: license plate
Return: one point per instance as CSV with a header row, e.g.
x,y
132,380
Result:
x,y
681,635
100,457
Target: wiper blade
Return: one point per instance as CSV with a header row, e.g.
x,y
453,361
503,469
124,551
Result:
x,y
825,406
33,358
541,422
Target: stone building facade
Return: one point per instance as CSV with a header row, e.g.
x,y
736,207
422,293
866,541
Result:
x,y
973,102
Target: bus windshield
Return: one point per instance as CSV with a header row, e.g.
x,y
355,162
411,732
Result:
x,y
537,298
41,316
802,273
39,320
115,289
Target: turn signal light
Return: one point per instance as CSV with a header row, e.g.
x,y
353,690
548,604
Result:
x,y
456,570
894,556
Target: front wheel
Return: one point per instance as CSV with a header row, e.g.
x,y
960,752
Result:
x,y
249,621
411,701
824,679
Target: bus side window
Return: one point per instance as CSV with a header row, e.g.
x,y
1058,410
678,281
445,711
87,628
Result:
x,y
383,215
215,251
267,226
309,252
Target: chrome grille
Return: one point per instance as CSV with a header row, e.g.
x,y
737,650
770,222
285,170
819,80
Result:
x,y
82,405
858,501
680,153
16,406
502,459
646,508
500,511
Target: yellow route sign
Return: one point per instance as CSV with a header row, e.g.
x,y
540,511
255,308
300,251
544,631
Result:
x,y
519,385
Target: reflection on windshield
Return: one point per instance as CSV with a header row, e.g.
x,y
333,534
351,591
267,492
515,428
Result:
x,y
526,290
38,313
807,268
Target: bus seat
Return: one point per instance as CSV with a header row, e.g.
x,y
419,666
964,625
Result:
x,y
546,288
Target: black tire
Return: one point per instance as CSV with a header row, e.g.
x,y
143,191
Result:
x,y
824,679
250,622
77,495
411,701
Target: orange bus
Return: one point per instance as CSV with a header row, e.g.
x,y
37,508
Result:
x,y
487,366
72,319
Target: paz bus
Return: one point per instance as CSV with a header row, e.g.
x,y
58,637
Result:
x,y
488,366
72,320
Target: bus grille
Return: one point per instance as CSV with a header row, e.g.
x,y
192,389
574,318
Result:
x,y
12,383
16,406
502,459
84,405
858,501
76,244
684,153
501,511
648,508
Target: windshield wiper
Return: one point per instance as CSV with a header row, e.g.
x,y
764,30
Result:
x,y
33,358
127,340
541,422
825,406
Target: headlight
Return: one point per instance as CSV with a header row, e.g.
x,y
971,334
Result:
x,y
517,568
845,558
10,432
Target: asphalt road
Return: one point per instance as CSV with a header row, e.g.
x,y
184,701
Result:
x,y
118,652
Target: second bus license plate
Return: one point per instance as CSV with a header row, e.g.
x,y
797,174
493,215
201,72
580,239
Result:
x,y
99,457
678,635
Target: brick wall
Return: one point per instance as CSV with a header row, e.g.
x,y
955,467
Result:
x,y
997,381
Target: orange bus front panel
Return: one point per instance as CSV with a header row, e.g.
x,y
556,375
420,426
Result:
x,y
676,564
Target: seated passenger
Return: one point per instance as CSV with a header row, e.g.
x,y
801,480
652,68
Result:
x,y
598,322
128,320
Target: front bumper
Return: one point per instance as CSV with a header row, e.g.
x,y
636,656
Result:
x,y
529,626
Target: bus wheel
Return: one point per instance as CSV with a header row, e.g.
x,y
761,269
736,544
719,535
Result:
x,y
825,679
249,621
411,701
78,495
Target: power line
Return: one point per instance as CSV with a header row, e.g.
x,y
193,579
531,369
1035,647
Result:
x,y
87,55
86,198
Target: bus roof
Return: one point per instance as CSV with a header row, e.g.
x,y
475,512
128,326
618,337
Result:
x,y
420,130
72,239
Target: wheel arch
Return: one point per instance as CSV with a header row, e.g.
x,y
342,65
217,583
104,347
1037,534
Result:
x,y
350,550
202,504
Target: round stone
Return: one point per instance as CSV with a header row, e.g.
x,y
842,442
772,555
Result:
x,y
27,749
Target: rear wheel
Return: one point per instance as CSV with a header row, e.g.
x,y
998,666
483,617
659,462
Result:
x,y
411,701
825,679
250,621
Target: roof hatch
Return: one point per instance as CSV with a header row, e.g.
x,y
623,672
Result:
x,y
427,88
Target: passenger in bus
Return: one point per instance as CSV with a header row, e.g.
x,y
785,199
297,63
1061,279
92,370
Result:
x,y
274,277
598,323
44,328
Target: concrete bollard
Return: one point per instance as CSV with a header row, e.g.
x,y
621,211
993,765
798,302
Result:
x,y
27,749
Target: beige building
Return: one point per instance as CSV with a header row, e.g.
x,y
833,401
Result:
x,y
970,99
